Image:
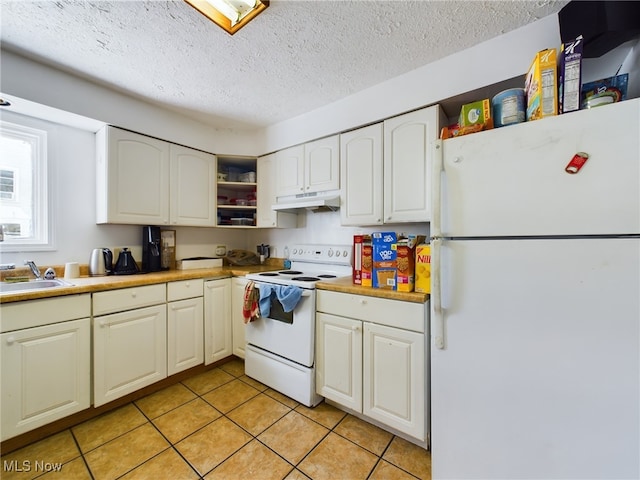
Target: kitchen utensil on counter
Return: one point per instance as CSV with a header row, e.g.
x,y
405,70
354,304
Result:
x,y
125,265
71,270
263,251
101,262
151,259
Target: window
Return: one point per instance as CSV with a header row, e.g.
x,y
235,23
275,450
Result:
x,y
24,211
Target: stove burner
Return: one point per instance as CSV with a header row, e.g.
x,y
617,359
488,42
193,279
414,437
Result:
x,y
290,272
326,275
306,279
268,274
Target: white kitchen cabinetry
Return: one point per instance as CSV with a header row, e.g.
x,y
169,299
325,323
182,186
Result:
x,y
408,163
237,190
310,168
267,179
45,367
386,169
237,319
361,172
129,340
370,358
185,325
217,320
192,187
145,181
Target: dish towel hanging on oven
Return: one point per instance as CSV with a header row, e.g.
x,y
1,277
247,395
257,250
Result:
x,y
288,295
250,309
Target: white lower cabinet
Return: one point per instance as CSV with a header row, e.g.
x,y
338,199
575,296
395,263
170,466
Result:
x,y
45,369
185,325
371,358
237,319
130,346
217,320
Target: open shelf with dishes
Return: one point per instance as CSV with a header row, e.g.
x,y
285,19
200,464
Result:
x,y
236,192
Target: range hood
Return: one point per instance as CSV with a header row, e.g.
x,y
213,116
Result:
x,y
329,201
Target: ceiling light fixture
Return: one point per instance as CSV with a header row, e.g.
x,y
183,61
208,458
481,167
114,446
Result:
x,y
231,15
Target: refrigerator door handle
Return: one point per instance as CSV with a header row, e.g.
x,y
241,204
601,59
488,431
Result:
x,y
436,202
437,319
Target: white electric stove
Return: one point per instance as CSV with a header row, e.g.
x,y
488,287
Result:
x,y
281,346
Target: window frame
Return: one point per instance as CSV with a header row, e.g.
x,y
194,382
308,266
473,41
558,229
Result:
x,y
40,135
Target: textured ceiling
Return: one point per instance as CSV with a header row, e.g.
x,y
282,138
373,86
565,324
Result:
x,y
293,58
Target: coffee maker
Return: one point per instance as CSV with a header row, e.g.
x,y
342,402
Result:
x,y
151,249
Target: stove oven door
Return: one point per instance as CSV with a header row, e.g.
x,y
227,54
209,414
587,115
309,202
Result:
x,y
289,335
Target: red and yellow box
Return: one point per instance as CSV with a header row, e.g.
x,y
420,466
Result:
x,y
423,268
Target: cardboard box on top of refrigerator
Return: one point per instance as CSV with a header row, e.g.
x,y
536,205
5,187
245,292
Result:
x,y
406,262
423,268
357,259
367,261
385,258
541,86
570,76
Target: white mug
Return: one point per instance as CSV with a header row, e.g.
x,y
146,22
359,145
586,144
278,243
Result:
x,y
71,270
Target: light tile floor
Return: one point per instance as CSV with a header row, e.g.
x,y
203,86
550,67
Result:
x,y
220,425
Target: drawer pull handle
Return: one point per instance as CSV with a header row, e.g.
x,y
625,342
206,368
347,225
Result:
x,y
134,294
363,302
11,340
187,284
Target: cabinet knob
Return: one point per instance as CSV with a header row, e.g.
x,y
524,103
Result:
x,y
363,302
355,328
134,294
11,340
187,284
102,323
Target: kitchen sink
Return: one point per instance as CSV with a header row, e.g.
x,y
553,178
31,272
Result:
x,y
7,287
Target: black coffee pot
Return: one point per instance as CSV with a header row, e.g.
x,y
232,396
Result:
x,y
125,265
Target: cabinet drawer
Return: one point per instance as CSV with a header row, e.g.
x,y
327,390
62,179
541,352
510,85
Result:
x,y
45,311
128,298
394,313
184,289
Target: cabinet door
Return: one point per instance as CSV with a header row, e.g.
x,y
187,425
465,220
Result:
x,y
132,178
185,334
394,378
217,320
45,374
237,319
192,187
339,360
266,192
322,165
361,176
130,352
290,171
407,165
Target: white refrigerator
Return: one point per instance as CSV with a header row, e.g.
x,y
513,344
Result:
x,y
535,320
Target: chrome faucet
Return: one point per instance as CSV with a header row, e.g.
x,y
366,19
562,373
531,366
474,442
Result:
x,y
34,269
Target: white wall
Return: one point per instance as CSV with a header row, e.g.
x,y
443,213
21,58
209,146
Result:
x,y
495,60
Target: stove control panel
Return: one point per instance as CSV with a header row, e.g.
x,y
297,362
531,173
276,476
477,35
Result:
x,y
328,254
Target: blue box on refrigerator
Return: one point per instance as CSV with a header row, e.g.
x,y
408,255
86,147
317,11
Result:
x,y
385,260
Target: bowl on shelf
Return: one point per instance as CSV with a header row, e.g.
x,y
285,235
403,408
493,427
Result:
x,y
242,221
242,202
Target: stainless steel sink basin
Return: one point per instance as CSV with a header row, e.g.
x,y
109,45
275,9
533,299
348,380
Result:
x,y
6,287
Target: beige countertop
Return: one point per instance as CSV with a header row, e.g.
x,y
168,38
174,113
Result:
x,y
86,284
345,285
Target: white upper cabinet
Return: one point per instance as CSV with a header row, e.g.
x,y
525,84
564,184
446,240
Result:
x,y
266,217
312,167
192,192
322,165
143,180
361,172
407,165
132,178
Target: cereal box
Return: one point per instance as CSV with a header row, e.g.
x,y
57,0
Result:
x,y
357,259
541,86
384,260
406,262
476,113
570,76
367,261
423,268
